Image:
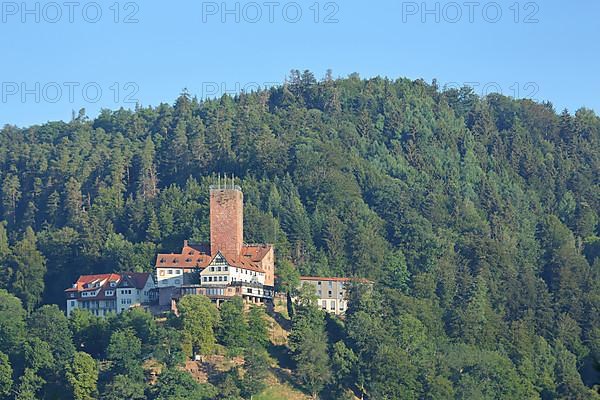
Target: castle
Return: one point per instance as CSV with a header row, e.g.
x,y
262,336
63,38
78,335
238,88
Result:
x,y
226,266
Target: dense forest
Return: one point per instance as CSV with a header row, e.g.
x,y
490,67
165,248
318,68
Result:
x,y
475,218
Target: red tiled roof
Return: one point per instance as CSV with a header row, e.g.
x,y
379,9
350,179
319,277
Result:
x,y
136,279
254,252
244,264
87,279
197,256
192,256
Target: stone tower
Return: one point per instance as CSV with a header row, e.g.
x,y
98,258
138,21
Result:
x,y
226,219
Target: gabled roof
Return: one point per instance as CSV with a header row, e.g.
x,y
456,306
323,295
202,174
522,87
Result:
x,y
192,256
101,283
255,252
85,280
135,280
198,256
242,263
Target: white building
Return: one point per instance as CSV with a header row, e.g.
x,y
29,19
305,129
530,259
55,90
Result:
x,y
332,293
110,293
225,277
194,271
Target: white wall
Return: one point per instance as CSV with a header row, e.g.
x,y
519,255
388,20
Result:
x,y
127,298
232,274
169,277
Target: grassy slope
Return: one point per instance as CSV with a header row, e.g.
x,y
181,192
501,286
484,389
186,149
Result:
x,y
280,384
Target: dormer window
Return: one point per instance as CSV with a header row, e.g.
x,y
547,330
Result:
x,y
162,260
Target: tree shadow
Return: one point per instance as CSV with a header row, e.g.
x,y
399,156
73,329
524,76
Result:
x,y
283,322
282,355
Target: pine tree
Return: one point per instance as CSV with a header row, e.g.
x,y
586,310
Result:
x,y
147,181
153,232
11,194
29,268
73,202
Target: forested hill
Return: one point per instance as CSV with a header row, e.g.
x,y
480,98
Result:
x,y
476,217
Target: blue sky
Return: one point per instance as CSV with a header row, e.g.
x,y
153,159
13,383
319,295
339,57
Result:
x,y
58,55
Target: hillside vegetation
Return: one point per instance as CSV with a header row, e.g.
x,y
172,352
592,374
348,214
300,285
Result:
x,y
476,219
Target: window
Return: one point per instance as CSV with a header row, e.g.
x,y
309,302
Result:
x,y
204,279
178,271
324,304
72,303
212,269
333,305
330,284
225,268
319,283
170,272
225,278
219,269
319,291
330,293
220,278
